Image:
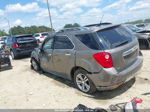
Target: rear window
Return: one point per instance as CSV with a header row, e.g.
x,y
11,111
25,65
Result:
x,y
115,36
45,34
89,41
23,39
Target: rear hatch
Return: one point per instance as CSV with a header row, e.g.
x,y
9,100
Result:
x,y
121,44
45,35
26,42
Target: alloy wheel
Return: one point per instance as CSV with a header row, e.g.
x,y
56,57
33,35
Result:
x,y
83,83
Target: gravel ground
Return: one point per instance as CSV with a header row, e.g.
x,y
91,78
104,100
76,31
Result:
x,y
22,88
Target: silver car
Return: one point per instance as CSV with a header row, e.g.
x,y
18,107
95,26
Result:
x,y
143,36
100,58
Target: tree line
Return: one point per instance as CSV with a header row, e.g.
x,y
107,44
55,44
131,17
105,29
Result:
x,y
16,30
29,30
139,21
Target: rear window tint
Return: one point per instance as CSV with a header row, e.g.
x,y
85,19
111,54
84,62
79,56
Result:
x,y
114,37
45,34
25,39
89,41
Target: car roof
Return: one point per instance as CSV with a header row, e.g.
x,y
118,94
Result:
x,y
23,35
80,30
41,32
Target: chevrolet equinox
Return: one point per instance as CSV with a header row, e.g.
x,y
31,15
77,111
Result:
x,y
100,58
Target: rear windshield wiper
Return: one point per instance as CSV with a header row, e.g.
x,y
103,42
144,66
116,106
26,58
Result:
x,y
121,43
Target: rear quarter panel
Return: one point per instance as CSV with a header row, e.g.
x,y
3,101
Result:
x,y
86,60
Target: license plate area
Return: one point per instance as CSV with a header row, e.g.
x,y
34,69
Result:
x,y
130,53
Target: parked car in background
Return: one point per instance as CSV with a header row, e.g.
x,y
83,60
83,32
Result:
x,y
102,58
143,36
21,45
147,27
2,41
141,25
5,62
40,36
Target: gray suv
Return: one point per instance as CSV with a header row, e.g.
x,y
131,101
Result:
x,y
100,58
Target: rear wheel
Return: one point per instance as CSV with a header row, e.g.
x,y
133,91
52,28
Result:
x,y
13,55
35,65
144,44
83,82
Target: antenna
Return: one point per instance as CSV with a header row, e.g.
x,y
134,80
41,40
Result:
x,y
101,19
50,18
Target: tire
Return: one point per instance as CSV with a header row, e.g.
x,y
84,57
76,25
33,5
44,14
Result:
x,y
35,65
143,47
83,82
13,55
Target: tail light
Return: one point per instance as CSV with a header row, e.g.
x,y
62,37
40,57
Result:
x,y
42,37
104,59
16,45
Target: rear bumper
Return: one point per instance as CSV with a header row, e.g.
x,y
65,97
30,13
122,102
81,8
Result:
x,y
5,63
23,52
108,79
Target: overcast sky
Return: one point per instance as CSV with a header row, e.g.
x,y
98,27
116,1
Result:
x,y
34,12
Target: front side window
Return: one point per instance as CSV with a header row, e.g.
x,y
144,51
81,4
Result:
x,y
48,44
62,42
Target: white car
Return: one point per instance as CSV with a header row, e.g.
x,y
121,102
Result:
x,y
40,36
2,41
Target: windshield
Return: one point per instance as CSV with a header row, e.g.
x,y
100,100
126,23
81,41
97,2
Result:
x,y
115,36
133,28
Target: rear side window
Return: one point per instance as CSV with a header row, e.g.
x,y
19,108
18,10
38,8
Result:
x,y
62,42
89,41
115,37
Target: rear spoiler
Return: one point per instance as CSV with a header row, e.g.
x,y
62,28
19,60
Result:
x,y
91,25
107,27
